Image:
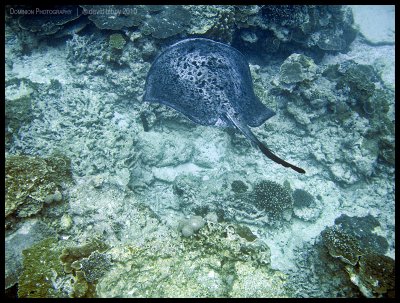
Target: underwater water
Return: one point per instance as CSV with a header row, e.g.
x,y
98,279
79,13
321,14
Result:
x,y
109,195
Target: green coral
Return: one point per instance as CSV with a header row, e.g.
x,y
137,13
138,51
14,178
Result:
x,y
245,232
29,180
275,199
41,269
116,41
297,68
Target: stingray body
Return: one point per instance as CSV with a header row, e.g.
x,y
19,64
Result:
x,y
210,83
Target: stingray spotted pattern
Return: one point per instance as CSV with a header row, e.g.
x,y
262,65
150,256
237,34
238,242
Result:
x,y
210,83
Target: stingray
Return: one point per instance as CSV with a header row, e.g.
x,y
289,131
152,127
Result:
x,y
210,83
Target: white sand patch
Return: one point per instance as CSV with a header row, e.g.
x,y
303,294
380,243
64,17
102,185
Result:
x,y
375,22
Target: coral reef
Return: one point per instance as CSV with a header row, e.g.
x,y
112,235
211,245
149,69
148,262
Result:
x,y
373,273
140,168
159,21
328,28
351,94
84,51
245,232
87,264
30,180
115,17
54,268
170,21
268,203
212,21
215,262
94,266
297,68
310,29
318,275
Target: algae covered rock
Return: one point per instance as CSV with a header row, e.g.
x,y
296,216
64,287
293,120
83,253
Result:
x,y
29,180
374,275
42,269
54,268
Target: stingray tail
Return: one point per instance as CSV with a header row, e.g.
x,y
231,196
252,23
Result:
x,y
249,134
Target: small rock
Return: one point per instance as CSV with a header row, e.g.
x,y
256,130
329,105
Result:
x,y
57,196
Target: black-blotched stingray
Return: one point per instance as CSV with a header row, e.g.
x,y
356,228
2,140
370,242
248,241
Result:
x,y
210,83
